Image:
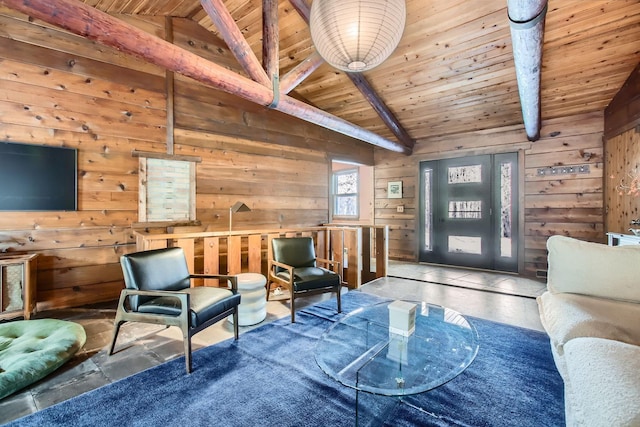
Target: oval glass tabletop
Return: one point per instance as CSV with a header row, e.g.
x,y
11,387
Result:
x,y
359,351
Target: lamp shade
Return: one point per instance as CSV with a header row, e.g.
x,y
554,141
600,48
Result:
x,y
356,35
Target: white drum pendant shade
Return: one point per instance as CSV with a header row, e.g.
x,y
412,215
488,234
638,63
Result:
x,y
356,35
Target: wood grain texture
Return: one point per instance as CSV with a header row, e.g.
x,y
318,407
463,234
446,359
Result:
x,y
622,162
109,112
571,205
450,84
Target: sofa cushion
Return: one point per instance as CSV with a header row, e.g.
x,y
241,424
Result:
x,y
603,386
586,268
568,316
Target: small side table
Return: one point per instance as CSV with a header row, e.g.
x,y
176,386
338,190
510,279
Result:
x,y
253,303
18,275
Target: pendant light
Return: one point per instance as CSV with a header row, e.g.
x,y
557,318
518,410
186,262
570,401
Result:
x,y
356,35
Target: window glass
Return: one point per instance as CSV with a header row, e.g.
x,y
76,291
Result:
x,y
167,190
428,209
345,193
464,174
465,209
505,210
465,245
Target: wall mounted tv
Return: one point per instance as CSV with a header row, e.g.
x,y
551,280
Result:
x,y
38,177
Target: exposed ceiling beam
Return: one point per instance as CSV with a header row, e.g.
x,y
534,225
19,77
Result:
x,y
300,72
93,24
232,35
381,108
526,18
389,119
270,39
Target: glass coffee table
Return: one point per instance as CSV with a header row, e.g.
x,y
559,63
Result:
x,y
359,352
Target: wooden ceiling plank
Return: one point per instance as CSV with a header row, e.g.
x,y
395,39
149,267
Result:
x,y
383,111
99,26
232,35
361,83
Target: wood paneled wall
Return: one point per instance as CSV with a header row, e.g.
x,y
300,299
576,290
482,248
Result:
x,y
60,89
622,163
622,153
570,204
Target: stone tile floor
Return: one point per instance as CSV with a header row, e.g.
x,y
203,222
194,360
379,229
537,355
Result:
x,y
493,296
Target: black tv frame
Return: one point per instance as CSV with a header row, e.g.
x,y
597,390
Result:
x,y
38,177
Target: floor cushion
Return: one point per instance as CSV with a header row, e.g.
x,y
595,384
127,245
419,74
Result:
x,y
32,349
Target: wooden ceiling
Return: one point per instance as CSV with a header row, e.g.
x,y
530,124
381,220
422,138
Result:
x,y
453,70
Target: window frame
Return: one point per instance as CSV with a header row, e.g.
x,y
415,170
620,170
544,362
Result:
x,y
188,197
336,196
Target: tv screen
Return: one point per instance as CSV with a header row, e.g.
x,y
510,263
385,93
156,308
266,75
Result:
x,y
37,178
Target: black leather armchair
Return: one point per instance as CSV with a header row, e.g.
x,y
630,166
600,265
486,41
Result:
x,y
158,290
294,267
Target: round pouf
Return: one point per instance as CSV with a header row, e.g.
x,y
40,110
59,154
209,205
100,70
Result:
x,y
253,302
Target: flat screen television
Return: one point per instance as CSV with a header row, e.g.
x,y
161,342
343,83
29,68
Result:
x,y
38,177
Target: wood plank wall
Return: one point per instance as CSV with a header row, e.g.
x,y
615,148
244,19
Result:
x,y
571,204
622,161
60,89
622,154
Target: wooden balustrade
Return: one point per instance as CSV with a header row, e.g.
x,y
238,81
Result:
x,y
361,250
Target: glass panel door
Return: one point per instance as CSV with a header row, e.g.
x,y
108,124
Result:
x,y
468,211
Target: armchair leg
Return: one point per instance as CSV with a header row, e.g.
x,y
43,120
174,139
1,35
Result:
x,y
187,347
116,329
293,307
338,298
235,323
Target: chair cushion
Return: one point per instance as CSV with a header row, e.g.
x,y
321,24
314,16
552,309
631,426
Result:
x,y
310,278
206,303
32,349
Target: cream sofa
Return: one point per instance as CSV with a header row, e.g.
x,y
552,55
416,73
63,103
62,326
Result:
x,y
591,311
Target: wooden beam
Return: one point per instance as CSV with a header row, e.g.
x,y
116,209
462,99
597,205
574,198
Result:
x,y
300,72
526,18
232,35
623,112
381,108
93,24
303,9
389,119
270,39
169,83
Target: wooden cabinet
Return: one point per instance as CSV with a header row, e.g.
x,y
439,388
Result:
x,y
18,285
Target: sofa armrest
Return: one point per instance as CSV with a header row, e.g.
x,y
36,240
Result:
x,y
594,269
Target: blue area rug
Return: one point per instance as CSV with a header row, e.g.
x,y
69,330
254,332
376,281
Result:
x,y
270,378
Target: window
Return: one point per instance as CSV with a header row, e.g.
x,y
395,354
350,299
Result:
x,y
167,188
345,193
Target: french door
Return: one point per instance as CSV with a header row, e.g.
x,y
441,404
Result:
x,y
469,212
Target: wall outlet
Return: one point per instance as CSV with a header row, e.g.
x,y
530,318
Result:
x,y
400,208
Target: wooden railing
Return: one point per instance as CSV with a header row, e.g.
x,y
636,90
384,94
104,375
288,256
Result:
x,y
362,251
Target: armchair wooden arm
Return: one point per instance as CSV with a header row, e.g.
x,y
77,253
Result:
x,y
233,279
